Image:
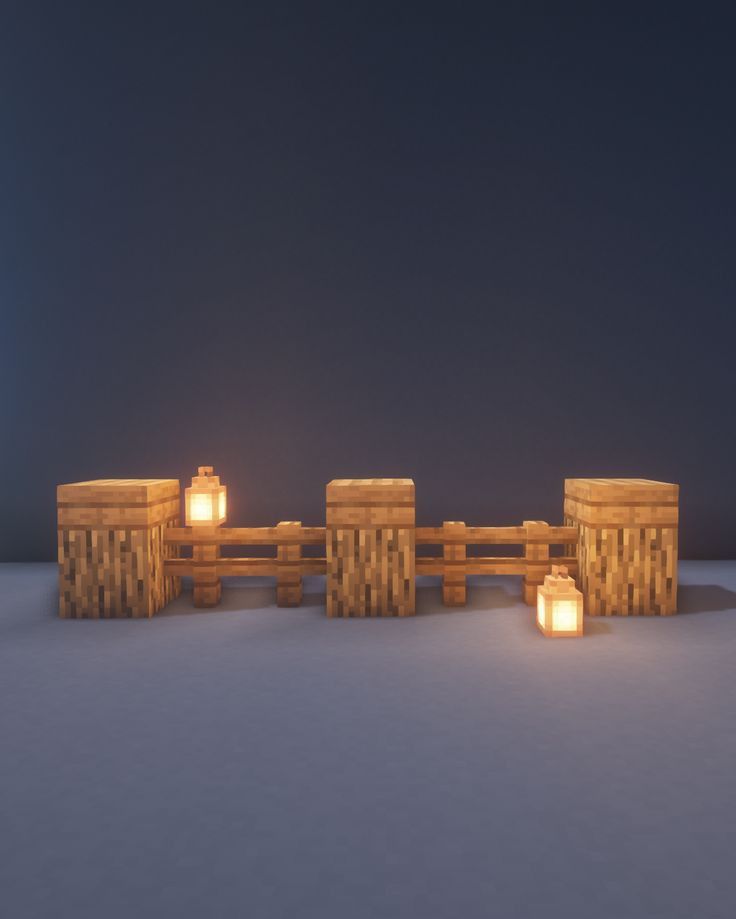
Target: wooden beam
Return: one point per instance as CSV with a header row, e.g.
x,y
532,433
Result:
x,y
289,577
537,550
488,536
207,586
248,536
517,566
245,567
454,553
510,536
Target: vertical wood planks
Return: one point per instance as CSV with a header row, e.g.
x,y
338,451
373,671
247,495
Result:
x,y
370,547
537,550
207,585
454,554
111,547
627,544
289,579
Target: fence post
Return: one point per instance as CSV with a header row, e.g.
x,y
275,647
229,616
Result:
x,y
207,587
370,543
289,578
536,551
111,547
627,544
454,554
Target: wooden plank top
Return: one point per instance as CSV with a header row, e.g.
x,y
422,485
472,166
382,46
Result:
x,y
370,491
117,492
349,483
621,491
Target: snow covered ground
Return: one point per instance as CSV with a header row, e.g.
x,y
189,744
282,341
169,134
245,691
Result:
x,y
251,761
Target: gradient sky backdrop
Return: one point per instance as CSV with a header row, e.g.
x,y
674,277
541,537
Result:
x,y
486,246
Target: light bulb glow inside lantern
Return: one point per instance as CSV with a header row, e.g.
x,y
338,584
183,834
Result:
x,y
559,605
564,616
541,610
205,499
200,508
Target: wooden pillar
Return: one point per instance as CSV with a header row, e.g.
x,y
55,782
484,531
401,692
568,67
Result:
x,y
537,550
627,544
111,547
370,547
207,586
289,579
454,553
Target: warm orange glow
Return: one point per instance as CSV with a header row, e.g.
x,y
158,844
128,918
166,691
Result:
x,y
564,615
559,605
200,508
541,610
206,499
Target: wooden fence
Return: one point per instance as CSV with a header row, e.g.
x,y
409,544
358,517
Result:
x,y
288,566
455,565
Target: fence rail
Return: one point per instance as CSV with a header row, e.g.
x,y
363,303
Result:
x,y
245,567
206,566
247,536
536,537
289,566
494,536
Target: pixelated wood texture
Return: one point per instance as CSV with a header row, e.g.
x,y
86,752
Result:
x,y
536,550
206,584
370,547
454,554
111,547
627,544
289,578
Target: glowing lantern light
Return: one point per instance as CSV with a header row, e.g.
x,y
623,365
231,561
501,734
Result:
x,y
205,499
559,605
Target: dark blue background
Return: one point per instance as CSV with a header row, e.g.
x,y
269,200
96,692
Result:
x,y
484,246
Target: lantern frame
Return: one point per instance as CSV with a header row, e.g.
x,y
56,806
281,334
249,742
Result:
x,y
559,590
205,500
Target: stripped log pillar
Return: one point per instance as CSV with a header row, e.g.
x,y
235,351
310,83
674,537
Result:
x,y
207,587
111,547
454,554
537,550
289,579
627,544
370,547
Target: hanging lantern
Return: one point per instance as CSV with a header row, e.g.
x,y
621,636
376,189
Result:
x,y
206,499
559,605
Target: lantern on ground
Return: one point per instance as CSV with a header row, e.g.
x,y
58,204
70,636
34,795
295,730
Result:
x,y
206,499
559,605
